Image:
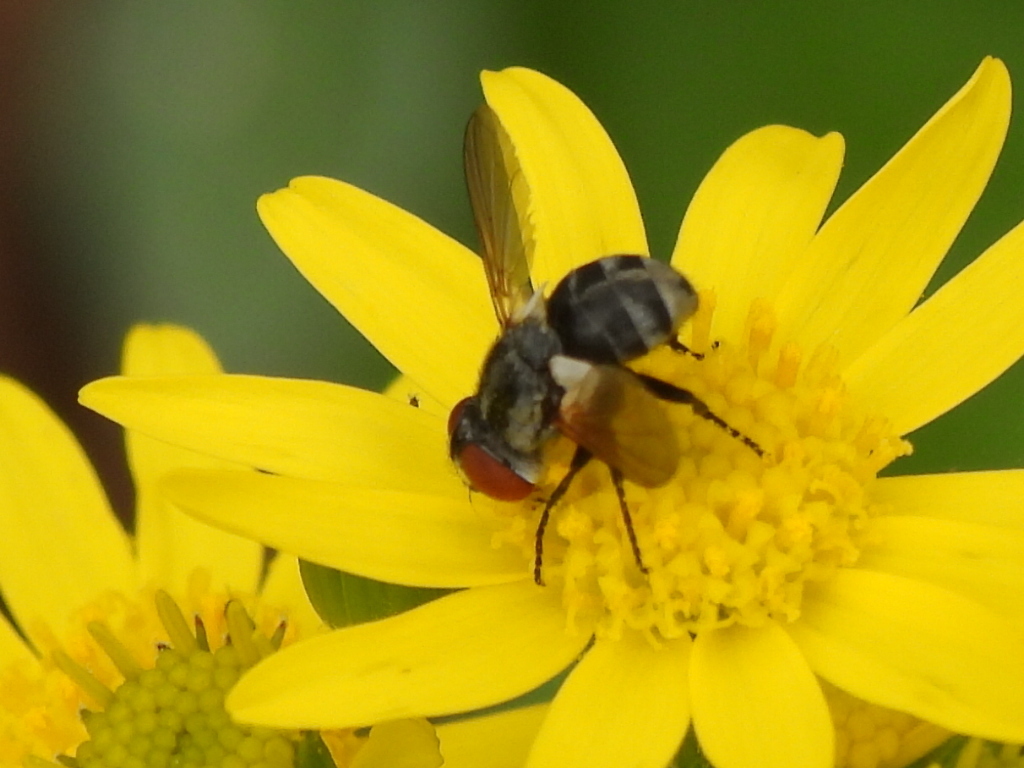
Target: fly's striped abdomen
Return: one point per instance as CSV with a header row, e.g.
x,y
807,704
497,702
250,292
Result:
x,y
618,308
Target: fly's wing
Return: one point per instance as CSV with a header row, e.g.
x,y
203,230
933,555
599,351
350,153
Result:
x,y
610,413
499,196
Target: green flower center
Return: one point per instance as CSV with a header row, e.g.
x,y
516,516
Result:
x,y
733,537
172,714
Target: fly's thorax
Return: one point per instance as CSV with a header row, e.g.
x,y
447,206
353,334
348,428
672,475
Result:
x,y
518,397
618,308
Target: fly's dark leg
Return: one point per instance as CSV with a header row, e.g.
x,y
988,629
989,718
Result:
x,y
627,519
674,394
579,461
677,346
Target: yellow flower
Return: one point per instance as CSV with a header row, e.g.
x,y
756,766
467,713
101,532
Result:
x,y
766,574
101,664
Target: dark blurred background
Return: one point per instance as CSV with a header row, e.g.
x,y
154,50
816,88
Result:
x,y
135,138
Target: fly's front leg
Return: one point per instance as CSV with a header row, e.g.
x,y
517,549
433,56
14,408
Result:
x,y
579,461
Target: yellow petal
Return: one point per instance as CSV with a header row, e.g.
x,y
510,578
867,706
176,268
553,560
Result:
x,y
291,427
417,295
283,589
170,544
981,562
405,390
872,259
582,202
985,498
917,648
951,346
400,537
625,703
166,350
61,546
753,217
500,740
409,743
465,651
756,703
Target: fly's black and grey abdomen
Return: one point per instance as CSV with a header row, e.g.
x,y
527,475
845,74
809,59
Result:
x,y
618,308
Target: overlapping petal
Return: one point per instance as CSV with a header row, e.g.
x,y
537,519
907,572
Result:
x,y
982,498
872,259
951,346
283,586
583,205
387,272
981,562
625,703
499,740
396,536
916,648
753,216
171,545
300,428
755,701
457,653
61,544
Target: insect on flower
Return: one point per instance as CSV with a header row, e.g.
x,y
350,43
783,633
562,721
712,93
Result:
x,y
558,365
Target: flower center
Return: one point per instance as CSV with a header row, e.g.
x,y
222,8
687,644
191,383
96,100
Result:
x,y
733,537
172,713
137,686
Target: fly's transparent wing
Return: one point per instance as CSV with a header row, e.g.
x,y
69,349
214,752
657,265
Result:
x,y
499,196
608,411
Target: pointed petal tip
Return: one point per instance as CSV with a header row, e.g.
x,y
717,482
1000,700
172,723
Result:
x,y
94,394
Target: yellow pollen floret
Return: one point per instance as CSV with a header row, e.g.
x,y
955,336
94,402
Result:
x,y
733,537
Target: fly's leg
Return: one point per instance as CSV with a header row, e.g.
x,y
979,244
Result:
x,y
674,394
627,519
579,461
677,346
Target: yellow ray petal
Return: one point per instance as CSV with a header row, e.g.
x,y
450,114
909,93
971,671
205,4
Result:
x,y
13,649
171,545
405,390
395,536
461,652
417,295
61,546
625,703
984,498
753,217
872,259
756,703
582,202
981,562
951,346
410,743
292,427
501,740
283,589
917,648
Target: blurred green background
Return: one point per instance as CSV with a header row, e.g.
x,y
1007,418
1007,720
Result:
x,y
135,138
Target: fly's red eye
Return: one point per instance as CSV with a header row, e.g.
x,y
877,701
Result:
x,y
489,476
456,414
